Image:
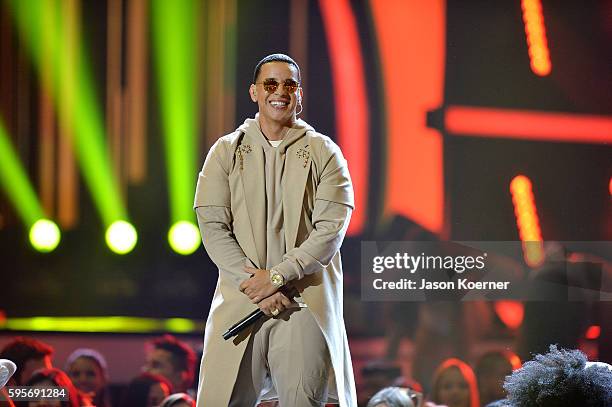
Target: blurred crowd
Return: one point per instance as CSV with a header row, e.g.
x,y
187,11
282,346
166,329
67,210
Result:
x,y
168,379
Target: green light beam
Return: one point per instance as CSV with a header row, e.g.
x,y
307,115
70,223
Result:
x,y
44,28
14,180
174,39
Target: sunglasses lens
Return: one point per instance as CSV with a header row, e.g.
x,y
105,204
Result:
x,y
291,86
270,86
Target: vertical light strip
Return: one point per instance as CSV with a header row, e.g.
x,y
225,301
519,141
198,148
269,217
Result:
x,y
137,81
535,30
24,104
298,42
527,220
352,111
67,175
220,62
215,68
219,59
174,40
411,42
229,33
46,124
7,63
114,105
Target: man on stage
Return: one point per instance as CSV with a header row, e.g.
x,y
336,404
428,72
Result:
x,y
273,200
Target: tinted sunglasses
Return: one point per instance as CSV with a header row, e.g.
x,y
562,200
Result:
x,y
270,85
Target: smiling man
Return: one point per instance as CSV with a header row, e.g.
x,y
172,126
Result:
x,y
273,200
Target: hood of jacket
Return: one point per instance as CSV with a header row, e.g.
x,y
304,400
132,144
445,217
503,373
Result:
x,y
252,128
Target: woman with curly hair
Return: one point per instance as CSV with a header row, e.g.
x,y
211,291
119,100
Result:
x,y
560,378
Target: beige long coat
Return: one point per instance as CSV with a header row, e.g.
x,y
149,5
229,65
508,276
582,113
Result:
x,y
233,177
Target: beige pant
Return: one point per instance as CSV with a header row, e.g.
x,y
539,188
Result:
x,y
287,353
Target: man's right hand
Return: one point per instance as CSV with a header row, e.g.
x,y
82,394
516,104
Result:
x,y
274,304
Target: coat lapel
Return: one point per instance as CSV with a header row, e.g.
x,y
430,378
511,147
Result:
x,y
297,166
250,162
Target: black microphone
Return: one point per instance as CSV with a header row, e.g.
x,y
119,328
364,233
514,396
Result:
x,y
243,324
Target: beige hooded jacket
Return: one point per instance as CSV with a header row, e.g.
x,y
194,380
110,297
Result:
x,y
232,179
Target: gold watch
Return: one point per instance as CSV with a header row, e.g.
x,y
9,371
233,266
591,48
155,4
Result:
x,y
276,278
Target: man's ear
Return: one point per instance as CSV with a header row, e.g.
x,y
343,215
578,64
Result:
x,y
253,92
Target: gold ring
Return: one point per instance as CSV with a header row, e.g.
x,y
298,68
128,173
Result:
x,y
275,312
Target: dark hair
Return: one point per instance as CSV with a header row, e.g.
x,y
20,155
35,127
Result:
x,y
183,357
276,58
137,392
60,379
22,349
559,378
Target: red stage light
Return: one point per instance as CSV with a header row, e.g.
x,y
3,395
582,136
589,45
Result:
x,y
593,332
411,42
511,313
352,113
515,361
536,37
526,125
527,220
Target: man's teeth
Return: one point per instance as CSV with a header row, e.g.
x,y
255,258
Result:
x,y
279,103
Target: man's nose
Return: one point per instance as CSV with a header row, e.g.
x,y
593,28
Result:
x,y
281,90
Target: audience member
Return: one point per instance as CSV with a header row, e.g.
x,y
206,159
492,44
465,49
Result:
x,y
173,359
560,378
53,377
454,385
146,390
178,400
88,371
29,355
491,370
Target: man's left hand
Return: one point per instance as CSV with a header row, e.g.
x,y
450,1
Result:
x,y
258,286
